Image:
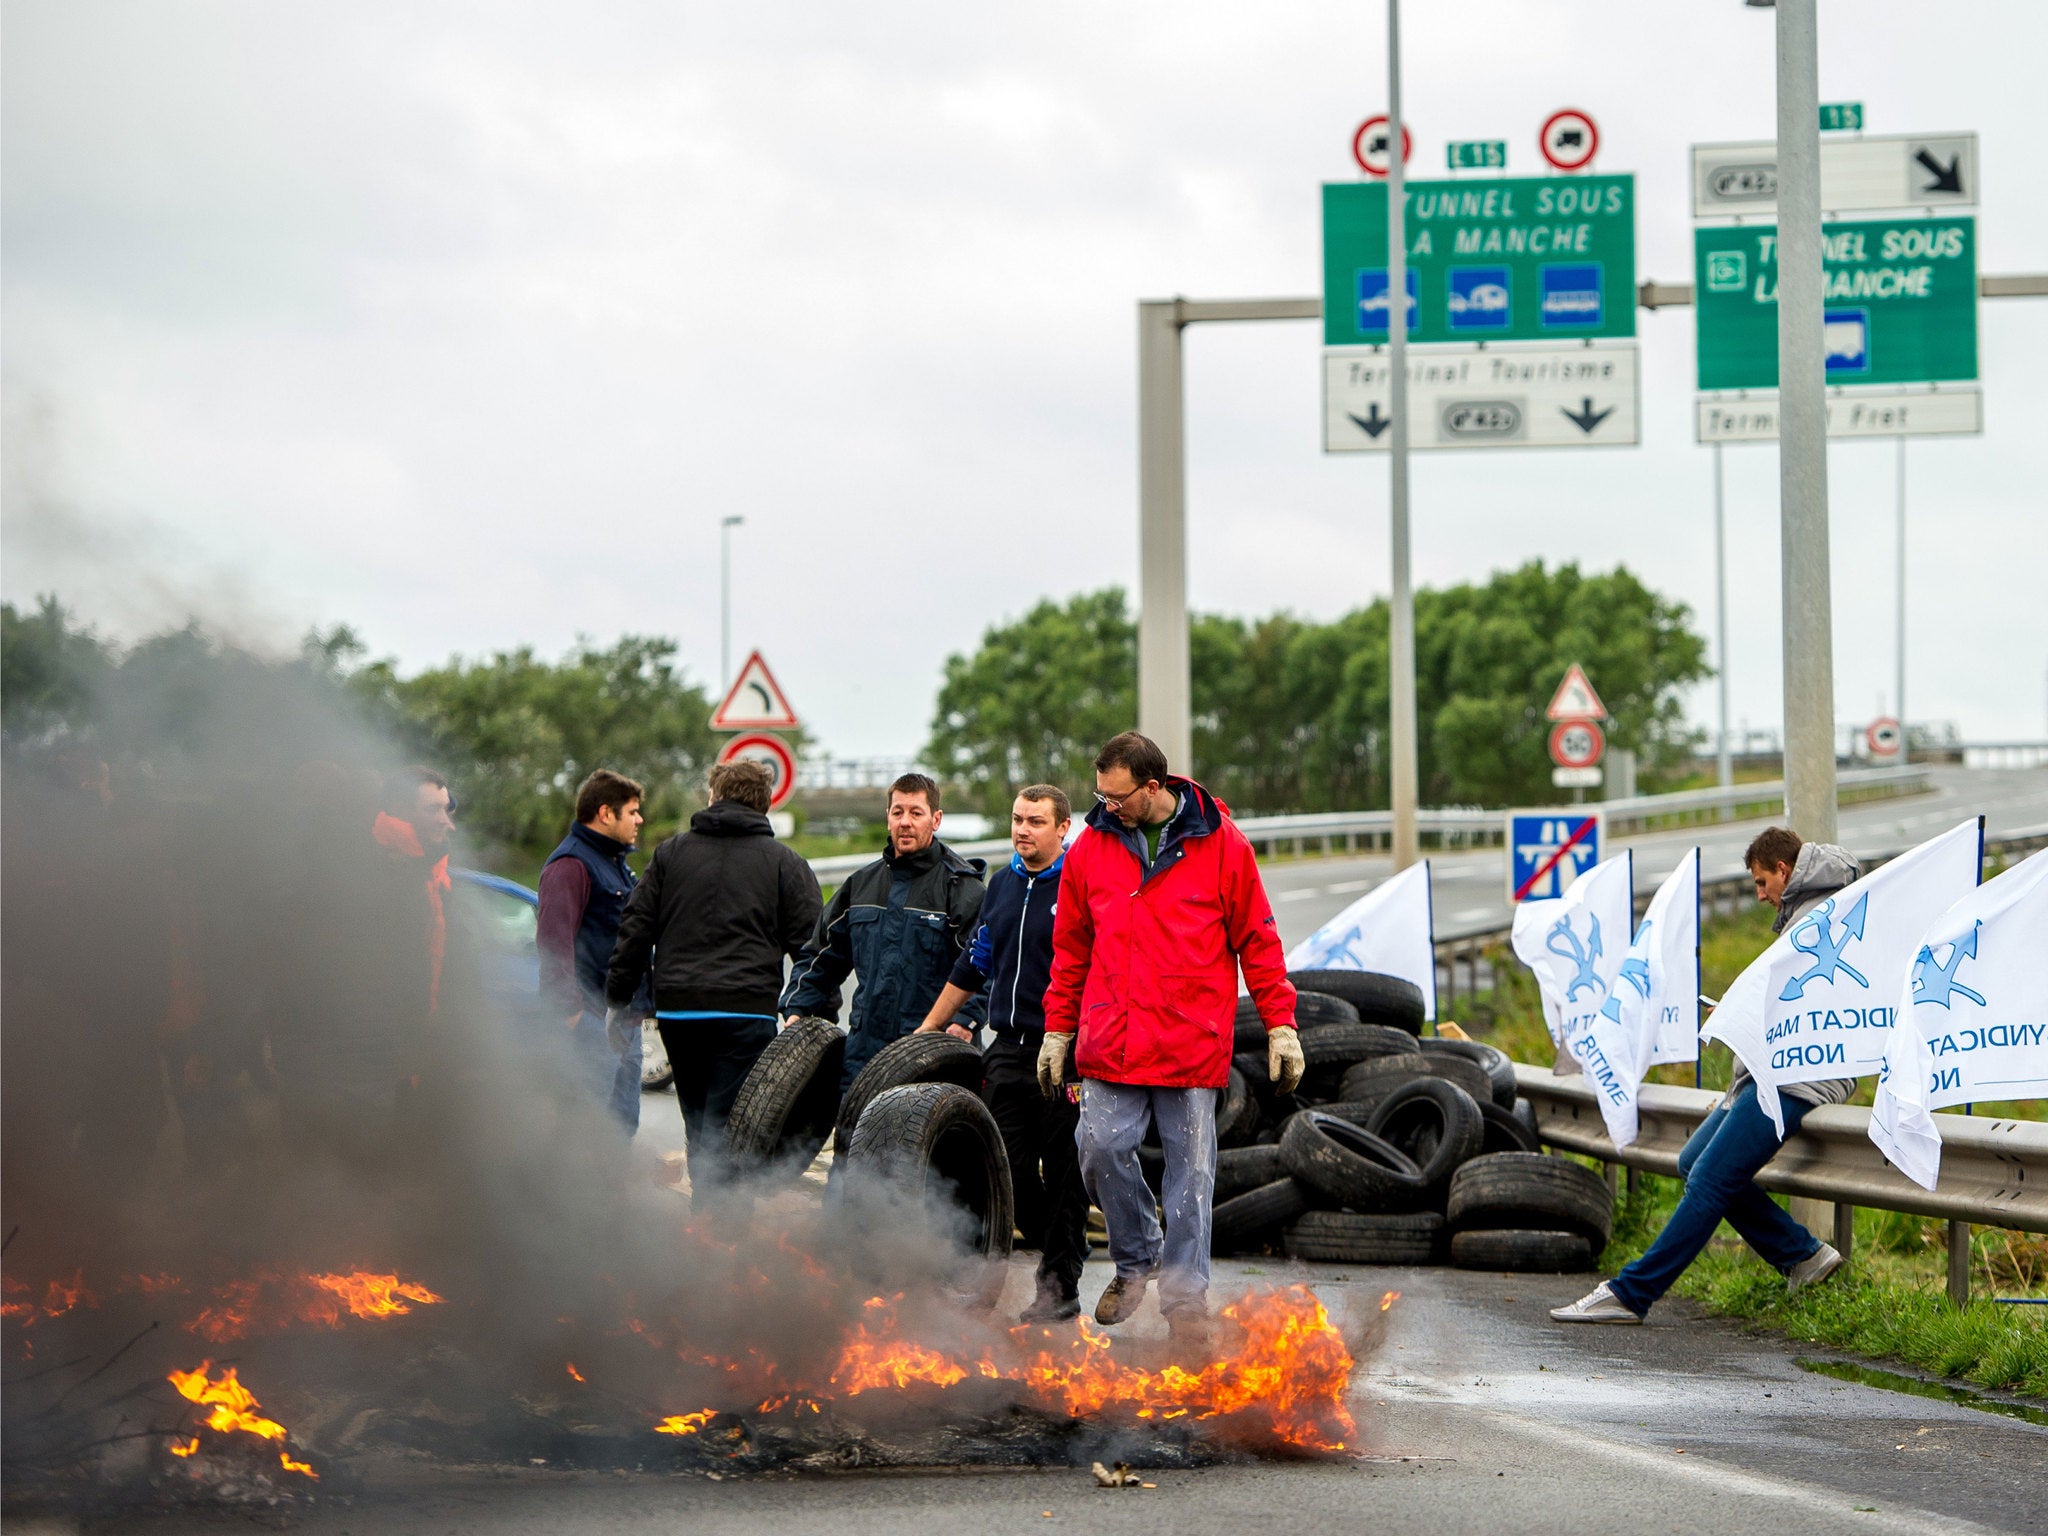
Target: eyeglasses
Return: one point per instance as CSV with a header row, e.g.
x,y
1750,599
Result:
x,y
1115,802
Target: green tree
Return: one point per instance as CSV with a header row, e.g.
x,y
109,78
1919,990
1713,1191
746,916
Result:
x,y
50,670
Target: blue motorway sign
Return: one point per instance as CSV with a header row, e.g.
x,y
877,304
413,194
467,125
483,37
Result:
x,y
1476,299
1372,298
1549,849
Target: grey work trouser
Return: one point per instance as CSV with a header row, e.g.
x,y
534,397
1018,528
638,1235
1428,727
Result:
x,y
1113,1121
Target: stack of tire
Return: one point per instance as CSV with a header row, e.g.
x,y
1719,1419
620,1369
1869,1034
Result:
x,y
1394,1149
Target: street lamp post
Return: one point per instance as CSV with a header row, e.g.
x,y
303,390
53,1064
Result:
x,y
725,528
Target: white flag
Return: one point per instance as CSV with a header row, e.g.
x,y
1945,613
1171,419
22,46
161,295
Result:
x,y
1819,1003
1390,929
1652,1012
1575,944
1973,1017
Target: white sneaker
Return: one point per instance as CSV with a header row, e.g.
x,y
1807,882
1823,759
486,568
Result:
x,y
1599,1305
1824,1261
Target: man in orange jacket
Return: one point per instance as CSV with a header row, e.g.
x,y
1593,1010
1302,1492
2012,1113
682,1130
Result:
x,y
1160,906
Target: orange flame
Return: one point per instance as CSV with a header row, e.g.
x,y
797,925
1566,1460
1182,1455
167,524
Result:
x,y
269,1300
574,1374
881,1359
1389,1299
234,1410
368,1295
685,1423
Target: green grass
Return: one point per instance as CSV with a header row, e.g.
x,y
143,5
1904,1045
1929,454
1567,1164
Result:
x,y
1891,1302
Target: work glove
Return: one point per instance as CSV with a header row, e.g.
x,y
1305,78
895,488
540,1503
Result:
x,y
622,1030
1284,1061
1052,1063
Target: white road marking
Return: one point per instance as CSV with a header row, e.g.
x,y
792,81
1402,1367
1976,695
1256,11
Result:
x,y
1343,887
1472,914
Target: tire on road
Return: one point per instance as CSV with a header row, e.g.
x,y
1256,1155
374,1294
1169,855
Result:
x,y
786,1105
1242,1169
1490,1059
1253,1218
1379,999
1248,1033
936,1146
1315,1010
933,1058
1528,1191
1435,1122
1547,1253
1346,1165
1505,1132
1350,1237
1343,1045
1237,1112
1370,1079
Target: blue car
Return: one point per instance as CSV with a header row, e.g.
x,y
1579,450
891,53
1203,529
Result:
x,y
507,914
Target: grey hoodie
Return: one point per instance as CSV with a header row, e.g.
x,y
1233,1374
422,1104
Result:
x,y
1820,870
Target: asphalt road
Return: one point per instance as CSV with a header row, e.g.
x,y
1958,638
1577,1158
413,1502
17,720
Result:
x,y
1469,888
1476,1415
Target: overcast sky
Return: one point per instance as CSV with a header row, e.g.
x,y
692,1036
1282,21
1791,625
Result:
x,y
465,323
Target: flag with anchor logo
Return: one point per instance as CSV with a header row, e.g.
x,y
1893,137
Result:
x,y
1575,943
1973,1017
1819,1003
1389,929
1652,1013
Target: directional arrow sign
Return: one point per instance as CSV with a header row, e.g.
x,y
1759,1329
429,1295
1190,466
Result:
x,y
1484,397
755,701
1880,171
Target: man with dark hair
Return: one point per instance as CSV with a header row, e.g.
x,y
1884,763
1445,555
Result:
x,y
1161,906
722,904
1010,960
897,926
1720,1161
584,887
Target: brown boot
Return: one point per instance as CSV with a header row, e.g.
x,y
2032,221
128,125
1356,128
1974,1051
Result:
x,y
1123,1296
1190,1333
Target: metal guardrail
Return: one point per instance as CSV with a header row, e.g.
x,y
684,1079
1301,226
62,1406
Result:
x,y
1471,827
1993,1172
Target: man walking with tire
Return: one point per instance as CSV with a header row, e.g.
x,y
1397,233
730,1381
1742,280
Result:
x,y
1010,960
1720,1161
1161,906
721,904
897,926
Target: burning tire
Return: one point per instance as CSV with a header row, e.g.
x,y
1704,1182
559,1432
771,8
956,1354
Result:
x,y
1505,1132
1527,1191
1314,1010
1548,1253
936,1146
1379,999
1349,1166
1435,1122
1490,1059
1348,1237
1378,1077
785,1107
1251,1220
933,1058
1242,1169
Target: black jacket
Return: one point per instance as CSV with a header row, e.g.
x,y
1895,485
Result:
x,y
900,937
719,906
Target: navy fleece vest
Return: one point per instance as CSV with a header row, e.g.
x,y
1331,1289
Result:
x,y
611,882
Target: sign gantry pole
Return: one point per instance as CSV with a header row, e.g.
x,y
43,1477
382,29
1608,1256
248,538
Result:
x,y
1401,646
1724,767
1802,440
1899,690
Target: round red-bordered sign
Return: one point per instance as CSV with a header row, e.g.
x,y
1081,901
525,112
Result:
x,y
772,753
1577,743
1378,164
1569,139
1884,738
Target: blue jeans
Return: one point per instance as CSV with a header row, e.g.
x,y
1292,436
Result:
x,y
1113,1121
1719,1165
614,1080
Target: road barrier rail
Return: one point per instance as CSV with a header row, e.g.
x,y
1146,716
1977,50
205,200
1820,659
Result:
x,y
1994,1173
1474,827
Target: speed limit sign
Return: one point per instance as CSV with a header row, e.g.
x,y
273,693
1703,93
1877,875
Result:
x,y
1577,743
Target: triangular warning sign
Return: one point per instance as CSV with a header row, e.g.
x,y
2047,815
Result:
x,y
755,702
1575,699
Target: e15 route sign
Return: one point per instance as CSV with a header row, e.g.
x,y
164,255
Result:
x,y
1521,258
1901,302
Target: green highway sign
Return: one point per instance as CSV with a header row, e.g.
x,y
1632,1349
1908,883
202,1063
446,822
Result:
x,y
1477,154
1901,302
1521,258
1841,117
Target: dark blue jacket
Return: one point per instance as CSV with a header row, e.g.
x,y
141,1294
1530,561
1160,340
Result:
x,y
611,882
898,925
1011,954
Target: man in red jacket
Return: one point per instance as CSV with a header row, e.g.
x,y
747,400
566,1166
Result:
x,y
1160,905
